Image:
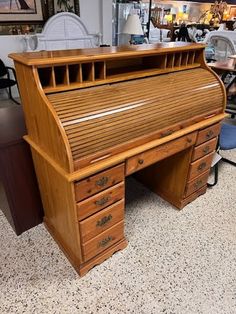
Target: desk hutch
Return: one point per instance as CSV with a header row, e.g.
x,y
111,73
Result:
x,y
95,116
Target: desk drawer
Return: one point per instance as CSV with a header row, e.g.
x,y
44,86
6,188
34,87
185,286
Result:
x,y
99,182
201,165
104,219
197,183
100,201
208,133
103,241
151,156
204,149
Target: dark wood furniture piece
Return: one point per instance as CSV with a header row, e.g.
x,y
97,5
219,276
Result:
x,y
24,208
100,115
224,68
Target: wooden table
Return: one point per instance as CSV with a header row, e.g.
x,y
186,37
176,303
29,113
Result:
x,y
23,207
224,68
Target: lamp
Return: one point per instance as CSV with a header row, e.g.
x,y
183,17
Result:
x,y
133,27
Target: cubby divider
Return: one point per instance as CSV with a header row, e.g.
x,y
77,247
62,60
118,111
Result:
x,y
177,61
99,70
46,77
75,73
61,76
170,61
191,57
184,60
88,72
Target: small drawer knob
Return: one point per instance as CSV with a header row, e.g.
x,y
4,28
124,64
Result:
x,y
209,134
140,161
206,149
201,166
198,184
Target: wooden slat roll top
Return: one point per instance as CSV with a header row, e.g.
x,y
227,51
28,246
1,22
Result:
x,y
98,120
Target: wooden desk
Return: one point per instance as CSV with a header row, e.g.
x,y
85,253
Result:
x,y
23,207
95,116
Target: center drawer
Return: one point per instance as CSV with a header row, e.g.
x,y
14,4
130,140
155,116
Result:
x,y
158,153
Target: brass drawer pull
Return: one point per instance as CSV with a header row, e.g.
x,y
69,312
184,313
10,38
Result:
x,y
201,166
105,241
206,149
102,201
198,184
104,221
102,181
209,134
140,161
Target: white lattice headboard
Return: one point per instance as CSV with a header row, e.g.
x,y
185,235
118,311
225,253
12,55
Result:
x,y
63,31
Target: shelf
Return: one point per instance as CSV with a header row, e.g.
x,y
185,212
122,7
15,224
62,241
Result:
x,y
86,74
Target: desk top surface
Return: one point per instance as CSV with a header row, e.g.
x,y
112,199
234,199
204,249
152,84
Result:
x,y
62,56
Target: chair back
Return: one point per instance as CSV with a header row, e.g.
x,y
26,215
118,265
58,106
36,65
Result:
x,y
223,46
3,70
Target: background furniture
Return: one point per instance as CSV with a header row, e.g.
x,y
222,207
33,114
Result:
x,y
85,142
227,141
6,81
223,47
224,69
159,34
17,174
63,31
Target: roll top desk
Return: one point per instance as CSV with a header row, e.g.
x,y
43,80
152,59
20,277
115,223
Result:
x,y
95,116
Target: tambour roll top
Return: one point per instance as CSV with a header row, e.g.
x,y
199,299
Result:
x,y
99,109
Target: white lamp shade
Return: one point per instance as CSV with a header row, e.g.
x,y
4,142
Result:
x,y
133,25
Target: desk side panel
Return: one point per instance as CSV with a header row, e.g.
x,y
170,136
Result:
x,y
59,204
42,123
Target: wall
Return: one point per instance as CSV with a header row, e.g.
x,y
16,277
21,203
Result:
x,y
96,14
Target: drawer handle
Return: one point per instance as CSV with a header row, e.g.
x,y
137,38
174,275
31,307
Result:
x,y
105,241
166,133
209,134
101,182
206,149
104,221
198,184
140,161
201,166
102,201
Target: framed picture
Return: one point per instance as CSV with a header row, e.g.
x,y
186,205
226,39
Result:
x,y
67,5
20,10
232,12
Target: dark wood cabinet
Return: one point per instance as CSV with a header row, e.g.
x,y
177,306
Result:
x,y
22,206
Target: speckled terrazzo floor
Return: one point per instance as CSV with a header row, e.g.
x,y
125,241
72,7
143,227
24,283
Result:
x,y
176,262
